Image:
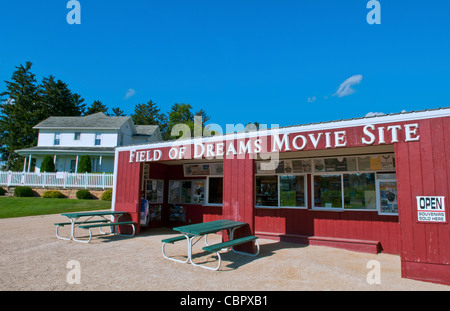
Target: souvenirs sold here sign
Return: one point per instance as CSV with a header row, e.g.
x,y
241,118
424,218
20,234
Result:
x,y
431,209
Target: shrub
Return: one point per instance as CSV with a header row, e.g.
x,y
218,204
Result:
x,y
23,191
85,164
83,194
53,194
47,165
2,191
107,195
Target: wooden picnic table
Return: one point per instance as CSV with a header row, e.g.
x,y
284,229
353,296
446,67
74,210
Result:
x,y
88,222
190,232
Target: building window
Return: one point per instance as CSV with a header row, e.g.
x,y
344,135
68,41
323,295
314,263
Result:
x,y
267,190
345,191
292,191
359,191
98,139
77,136
215,190
328,191
57,139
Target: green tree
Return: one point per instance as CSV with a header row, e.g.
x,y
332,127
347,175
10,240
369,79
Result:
x,y
19,112
146,114
118,112
97,106
56,99
47,164
181,115
84,166
24,104
150,114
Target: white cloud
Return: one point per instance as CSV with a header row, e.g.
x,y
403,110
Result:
x,y
372,114
129,93
312,99
345,88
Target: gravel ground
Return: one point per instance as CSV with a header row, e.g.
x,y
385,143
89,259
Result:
x,y
32,259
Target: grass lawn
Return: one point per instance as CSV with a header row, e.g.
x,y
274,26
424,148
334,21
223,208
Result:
x,y
20,207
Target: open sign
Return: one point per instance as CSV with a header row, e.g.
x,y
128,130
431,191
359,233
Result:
x,y
431,209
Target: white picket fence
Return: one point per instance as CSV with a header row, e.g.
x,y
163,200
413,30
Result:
x,y
59,180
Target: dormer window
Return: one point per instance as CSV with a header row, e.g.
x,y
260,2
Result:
x,y
57,139
77,136
98,139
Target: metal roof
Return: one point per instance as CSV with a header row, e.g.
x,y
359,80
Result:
x,y
58,149
96,120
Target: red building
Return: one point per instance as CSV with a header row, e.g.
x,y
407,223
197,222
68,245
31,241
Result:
x,y
374,184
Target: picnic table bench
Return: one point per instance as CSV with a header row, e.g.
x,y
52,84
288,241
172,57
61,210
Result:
x,y
190,232
90,223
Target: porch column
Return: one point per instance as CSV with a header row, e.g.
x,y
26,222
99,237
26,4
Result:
x,y
24,164
76,165
29,163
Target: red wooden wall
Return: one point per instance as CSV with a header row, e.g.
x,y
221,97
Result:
x,y
128,188
423,169
239,195
347,229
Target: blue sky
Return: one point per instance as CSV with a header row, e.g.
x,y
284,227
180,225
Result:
x,y
274,62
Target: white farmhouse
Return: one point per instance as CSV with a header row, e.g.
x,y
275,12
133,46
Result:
x,y
66,139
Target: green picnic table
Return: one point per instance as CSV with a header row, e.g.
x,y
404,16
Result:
x,y
89,220
190,232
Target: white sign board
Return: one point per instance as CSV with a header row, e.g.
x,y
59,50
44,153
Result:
x,y
431,209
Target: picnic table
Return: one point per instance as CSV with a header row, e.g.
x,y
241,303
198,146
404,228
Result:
x,y
197,231
89,220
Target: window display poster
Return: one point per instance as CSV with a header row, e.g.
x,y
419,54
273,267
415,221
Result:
x,y
155,213
351,164
375,163
336,164
186,191
387,162
265,167
388,197
197,170
319,165
174,191
297,166
306,166
288,166
364,163
177,213
199,192
154,190
217,169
